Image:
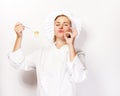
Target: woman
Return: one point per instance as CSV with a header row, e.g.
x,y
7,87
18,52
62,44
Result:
x,y
58,66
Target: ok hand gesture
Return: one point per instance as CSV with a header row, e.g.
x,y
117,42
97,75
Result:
x,y
70,36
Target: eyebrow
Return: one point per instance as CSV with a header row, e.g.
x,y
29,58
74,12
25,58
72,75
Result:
x,y
63,22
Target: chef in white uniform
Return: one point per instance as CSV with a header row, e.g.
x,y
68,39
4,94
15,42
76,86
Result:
x,y
60,66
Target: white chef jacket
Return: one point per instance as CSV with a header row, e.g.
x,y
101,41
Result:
x,y
56,75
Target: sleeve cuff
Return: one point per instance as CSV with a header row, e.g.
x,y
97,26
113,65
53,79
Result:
x,y
71,64
16,56
75,61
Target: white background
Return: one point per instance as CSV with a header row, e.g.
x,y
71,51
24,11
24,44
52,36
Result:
x,y
99,39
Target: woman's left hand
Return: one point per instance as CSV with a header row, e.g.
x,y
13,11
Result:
x,y
70,36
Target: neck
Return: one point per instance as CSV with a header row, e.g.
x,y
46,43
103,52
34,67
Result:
x,y
59,43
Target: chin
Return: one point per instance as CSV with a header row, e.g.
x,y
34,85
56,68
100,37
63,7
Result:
x,y
61,37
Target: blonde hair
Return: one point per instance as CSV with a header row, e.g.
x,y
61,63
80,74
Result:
x,y
62,15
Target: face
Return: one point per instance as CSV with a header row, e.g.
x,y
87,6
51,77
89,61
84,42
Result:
x,y
61,25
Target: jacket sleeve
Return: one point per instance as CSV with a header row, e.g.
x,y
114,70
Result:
x,y
19,61
77,68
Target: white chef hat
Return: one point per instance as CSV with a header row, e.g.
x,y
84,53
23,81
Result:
x,y
49,23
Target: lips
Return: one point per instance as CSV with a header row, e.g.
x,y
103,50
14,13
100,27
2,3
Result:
x,y
61,31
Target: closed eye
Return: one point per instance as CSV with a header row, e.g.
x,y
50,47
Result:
x,y
66,24
57,24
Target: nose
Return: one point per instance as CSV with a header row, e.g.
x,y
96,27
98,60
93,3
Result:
x,y
61,26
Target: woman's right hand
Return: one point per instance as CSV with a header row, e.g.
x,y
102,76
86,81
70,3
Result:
x,y
19,27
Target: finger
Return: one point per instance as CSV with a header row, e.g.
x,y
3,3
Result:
x,y
74,31
23,27
18,23
68,34
65,37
